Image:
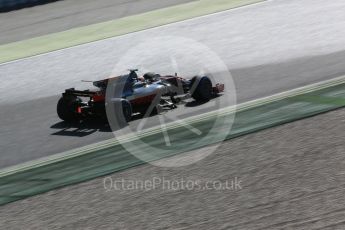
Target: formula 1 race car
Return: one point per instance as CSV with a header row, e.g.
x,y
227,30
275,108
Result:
x,y
136,94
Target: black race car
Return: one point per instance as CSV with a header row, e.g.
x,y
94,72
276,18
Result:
x,y
135,95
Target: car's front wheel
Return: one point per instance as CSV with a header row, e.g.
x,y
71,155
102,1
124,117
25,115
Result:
x,y
202,88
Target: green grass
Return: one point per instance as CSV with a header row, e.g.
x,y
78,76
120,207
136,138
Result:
x,y
82,35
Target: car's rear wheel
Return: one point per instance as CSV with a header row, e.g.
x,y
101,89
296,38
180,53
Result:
x,y
67,107
203,90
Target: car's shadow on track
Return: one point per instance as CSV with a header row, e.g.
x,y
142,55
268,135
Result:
x,y
82,129
86,127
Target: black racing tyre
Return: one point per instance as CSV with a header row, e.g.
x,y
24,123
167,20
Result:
x,y
203,89
126,110
66,109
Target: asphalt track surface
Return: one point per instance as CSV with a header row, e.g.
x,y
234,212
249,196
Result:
x,y
291,177
269,48
63,15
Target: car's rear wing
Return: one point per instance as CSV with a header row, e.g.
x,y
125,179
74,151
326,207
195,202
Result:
x,y
79,93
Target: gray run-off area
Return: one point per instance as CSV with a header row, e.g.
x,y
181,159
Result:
x,y
292,177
